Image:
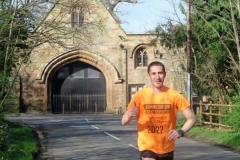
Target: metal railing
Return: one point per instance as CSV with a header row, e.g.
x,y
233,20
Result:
x,y
79,103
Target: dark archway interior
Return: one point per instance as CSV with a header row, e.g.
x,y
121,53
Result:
x,y
78,88
78,78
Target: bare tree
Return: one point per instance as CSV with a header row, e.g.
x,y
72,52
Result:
x,y
111,4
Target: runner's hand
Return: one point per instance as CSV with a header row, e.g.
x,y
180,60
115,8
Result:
x,y
134,111
173,134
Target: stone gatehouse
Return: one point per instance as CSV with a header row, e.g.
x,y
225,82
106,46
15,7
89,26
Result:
x,y
115,64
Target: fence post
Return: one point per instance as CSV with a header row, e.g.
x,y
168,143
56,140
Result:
x,y
63,108
219,116
230,107
230,111
87,103
96,108
201,112
79,108
210,113
70,103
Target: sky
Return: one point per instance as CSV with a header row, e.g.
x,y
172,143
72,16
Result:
x,y
146,14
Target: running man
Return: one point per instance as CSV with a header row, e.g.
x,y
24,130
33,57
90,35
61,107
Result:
x,y
155,109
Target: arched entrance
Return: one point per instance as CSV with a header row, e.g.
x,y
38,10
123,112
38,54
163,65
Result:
x,y
111,74
78,88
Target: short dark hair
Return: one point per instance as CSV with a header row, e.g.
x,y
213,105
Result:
x,y
155,63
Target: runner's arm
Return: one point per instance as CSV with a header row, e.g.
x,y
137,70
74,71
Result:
x,y
191,120
126,118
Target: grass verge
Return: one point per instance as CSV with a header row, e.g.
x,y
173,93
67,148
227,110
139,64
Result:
x,y
20,143
223,137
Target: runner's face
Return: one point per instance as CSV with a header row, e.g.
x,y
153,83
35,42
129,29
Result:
x,y
156,75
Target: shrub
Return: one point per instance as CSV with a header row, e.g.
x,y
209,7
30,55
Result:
x,y
233,117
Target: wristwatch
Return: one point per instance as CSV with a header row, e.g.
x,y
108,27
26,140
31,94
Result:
x,y
181,132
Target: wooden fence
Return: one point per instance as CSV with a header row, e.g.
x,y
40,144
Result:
x,y
212,114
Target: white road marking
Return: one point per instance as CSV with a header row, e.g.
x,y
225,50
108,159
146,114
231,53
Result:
x,y
62,152
54,120
105,121
112,136
59,120
133,146
78,126
94,127
87,120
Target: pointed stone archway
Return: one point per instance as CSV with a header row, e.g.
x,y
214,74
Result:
x,y
106,67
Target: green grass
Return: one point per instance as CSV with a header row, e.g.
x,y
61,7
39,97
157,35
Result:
x,y
20,143
214,135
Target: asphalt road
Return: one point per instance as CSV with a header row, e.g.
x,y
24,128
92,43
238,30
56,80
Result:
x,y
102,137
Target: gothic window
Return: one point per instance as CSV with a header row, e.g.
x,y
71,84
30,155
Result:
x,y
145,58
138,59
81,19
75,19
141,57
78,17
